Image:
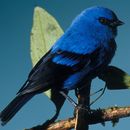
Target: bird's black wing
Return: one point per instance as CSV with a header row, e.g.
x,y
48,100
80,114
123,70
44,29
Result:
x,y
49,72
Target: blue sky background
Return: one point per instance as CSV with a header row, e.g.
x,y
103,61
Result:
x,y
15,64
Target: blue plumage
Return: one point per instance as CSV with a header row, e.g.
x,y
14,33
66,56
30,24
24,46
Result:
x,y
83,52
65,60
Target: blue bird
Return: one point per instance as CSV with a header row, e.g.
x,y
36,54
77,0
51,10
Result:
x,y
79,55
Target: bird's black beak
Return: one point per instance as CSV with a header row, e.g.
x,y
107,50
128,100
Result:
x,y
116,23
119,23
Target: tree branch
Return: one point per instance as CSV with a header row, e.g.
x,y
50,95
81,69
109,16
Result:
x,y
96,116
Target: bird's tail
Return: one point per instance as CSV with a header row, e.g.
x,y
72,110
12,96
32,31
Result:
x,y
14,107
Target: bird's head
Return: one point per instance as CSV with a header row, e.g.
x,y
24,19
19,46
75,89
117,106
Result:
x,y
99,21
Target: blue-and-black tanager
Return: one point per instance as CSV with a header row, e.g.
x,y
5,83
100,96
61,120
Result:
x,y
79,55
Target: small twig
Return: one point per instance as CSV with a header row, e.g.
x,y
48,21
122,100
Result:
x,y
103,90
96,92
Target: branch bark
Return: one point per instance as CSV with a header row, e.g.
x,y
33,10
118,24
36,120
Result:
x,y
96,116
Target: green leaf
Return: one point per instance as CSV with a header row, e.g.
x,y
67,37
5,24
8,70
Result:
x,y
116,78
45,32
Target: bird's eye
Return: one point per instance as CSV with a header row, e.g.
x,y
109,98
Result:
x,y
103,20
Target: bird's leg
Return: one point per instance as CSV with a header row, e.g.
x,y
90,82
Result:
x,y
76,106
69,99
